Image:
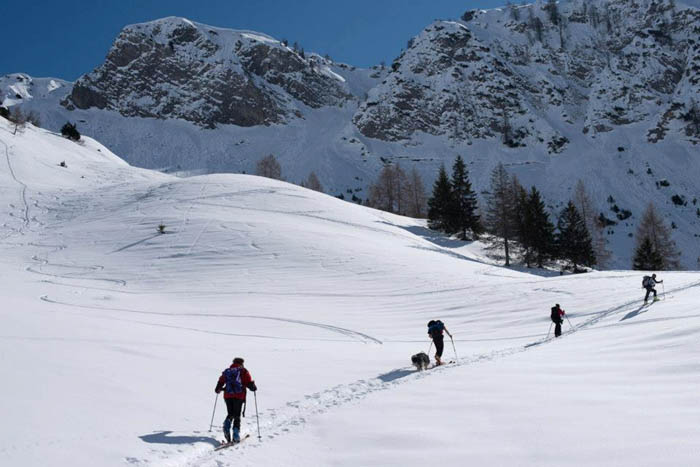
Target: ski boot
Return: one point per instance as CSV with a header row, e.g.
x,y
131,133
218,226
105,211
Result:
x,y
656,299
236,435
227,430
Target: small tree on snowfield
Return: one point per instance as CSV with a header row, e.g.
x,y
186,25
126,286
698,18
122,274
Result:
x,y
313,183
440,204
70,131
573,240
388,193
269,167
646,257
653,227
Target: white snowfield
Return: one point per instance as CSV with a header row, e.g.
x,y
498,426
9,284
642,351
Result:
x,y
113,335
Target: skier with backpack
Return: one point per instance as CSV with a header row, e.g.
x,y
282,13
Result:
x,y
557,318
648,283
435,329
234,381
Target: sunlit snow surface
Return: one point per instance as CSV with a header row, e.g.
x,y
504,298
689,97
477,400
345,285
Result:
x,y
113,335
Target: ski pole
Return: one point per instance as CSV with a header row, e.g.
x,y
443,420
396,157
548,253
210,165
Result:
x,y
257,417
454,348
550,329
572,326
431,346
664,289
211,424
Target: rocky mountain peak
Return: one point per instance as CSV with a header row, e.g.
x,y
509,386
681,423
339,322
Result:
x,y
535,74
175,68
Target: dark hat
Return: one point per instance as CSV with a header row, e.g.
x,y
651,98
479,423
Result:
x,y
238,360
653,275
557,305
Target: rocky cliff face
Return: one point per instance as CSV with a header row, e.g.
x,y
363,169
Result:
x,y
535,74
174,68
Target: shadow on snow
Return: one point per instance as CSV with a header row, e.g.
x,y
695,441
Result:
x,y
162,437
394,375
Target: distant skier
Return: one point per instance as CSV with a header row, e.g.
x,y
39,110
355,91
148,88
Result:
x,y
649,283
435,328
234,381
558,319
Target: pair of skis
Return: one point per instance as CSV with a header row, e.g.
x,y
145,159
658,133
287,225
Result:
x,y
225,444
442,364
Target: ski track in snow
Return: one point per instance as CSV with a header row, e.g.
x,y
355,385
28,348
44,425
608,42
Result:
x,y
22,190
358,336
280,421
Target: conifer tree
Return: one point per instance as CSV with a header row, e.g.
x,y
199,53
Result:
x,y
500,211
646,258
573,240
440,204
465,216
652,227
541,241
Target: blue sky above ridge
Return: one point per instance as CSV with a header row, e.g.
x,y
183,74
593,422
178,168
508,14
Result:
x,y
65,40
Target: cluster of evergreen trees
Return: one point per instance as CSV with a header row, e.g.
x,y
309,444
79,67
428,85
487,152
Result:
x,y
514,218
453,208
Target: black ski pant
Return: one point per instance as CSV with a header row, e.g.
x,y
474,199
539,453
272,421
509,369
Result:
x,y
557,328
233,407
649,290
439,342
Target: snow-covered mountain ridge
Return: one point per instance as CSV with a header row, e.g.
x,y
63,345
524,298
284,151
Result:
x,y
531,77
605,94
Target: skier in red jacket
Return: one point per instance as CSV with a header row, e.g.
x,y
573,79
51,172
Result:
x,y
234,381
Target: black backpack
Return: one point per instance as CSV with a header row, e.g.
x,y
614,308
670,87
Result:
x,y
556,317
435,328
646,282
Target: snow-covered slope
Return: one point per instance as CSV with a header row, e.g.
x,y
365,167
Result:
x,y
113,335
606,93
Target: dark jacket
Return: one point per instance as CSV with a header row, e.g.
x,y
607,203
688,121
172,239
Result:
x,y
557,314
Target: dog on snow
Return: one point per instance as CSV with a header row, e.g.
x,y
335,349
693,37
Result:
x,y
420,361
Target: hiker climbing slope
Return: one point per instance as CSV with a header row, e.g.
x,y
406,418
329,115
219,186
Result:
x,y
557,317
649,283
435,329
234,381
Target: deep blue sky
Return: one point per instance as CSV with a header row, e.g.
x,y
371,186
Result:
x,y
66,39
